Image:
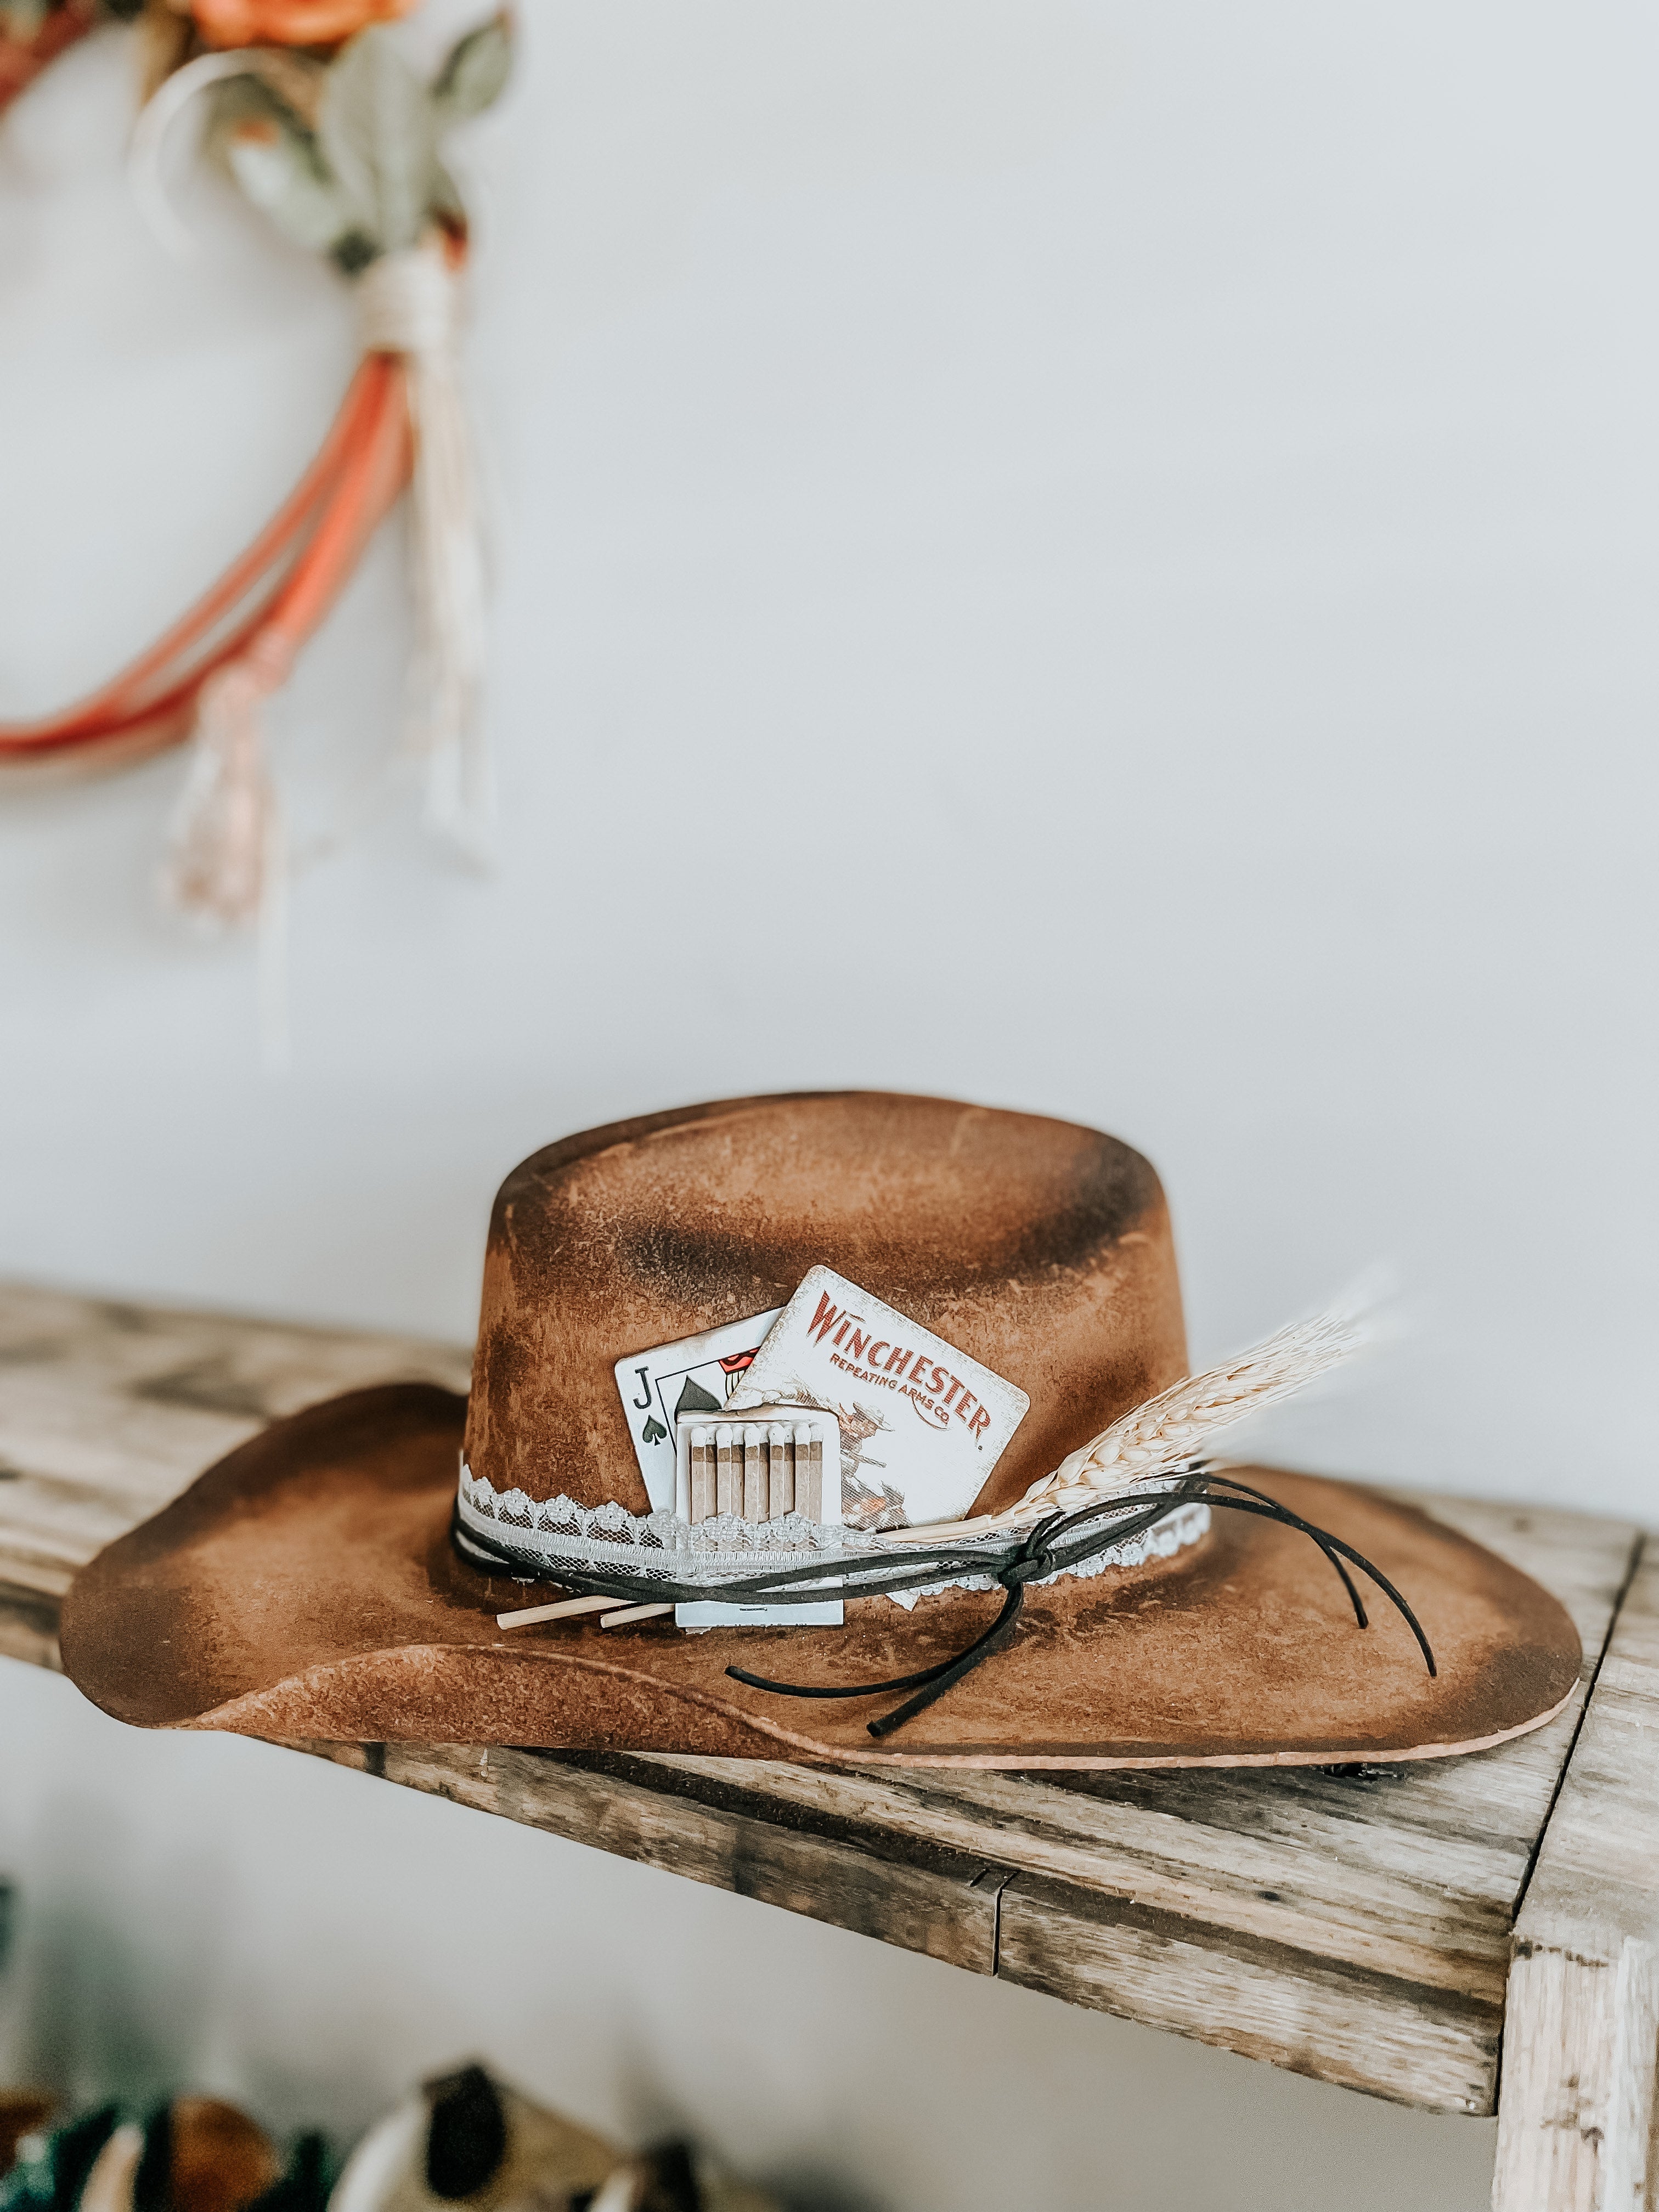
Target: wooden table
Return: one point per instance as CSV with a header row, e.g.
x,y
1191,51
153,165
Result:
x,y
1462,1934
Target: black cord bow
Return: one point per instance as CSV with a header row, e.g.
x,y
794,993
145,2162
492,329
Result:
x,y
1047,1549
1055,1544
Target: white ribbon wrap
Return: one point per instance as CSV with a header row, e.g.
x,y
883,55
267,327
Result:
x,y
409,304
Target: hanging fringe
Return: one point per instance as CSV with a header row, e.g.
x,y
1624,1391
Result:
x,y
227,860
409,304
209,676
220,864
222,833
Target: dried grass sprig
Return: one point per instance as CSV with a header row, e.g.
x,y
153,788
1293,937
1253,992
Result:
x,y
1175,1426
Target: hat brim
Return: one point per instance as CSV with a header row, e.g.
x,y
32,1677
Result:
x,y
305,1586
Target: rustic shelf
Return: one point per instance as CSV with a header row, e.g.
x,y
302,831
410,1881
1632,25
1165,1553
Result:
x,y
1394,1930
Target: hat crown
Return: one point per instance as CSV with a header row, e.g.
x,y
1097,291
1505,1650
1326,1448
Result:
x,y
1041,1247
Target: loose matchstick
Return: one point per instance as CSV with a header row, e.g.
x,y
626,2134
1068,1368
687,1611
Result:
x,y
566,1609
632,1613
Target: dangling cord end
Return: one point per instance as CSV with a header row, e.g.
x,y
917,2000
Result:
x,y
1030,1562
1037,1556
1001,1633
222,845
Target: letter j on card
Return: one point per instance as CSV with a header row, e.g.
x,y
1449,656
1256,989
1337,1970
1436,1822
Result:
x,y
695,1375
922,1424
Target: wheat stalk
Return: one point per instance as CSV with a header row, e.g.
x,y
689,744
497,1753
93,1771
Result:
x,y
1173,1427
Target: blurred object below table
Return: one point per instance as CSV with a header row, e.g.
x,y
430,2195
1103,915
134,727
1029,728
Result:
x,y
23,2112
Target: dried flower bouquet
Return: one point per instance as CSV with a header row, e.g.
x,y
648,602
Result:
x,y
331,133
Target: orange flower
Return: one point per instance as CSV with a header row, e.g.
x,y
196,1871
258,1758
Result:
x,y
288,22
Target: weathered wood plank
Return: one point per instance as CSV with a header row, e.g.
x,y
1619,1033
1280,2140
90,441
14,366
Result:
x,y
724,1832
1413,2043
1578,2119
108,1409
1354,1924
1412,1873
29,1627
1409,1874
1325,1875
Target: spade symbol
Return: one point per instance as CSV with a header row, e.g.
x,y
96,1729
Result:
x,y
654,1431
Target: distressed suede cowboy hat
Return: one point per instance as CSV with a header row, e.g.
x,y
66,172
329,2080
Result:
x,y
1111,1596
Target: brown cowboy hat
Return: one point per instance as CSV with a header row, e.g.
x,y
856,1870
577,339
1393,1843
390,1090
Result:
x,y
319,1583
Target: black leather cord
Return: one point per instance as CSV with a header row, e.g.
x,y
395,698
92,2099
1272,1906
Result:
x,y
1060,1542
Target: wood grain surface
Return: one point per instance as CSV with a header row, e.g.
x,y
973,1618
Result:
x,y
1355,1925
1578,2130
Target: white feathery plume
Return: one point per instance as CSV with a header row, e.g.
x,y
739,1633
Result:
x,y
1175,1426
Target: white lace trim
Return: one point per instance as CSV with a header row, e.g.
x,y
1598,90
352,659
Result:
x,y
716,1550
1161,1541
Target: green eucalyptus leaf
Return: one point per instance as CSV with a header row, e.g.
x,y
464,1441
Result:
x,y
477,68
279,171
378,133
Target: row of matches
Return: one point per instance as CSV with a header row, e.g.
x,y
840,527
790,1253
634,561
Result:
x,y
758,1470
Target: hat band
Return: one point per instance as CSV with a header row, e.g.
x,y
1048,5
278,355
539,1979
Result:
x,y
544,1533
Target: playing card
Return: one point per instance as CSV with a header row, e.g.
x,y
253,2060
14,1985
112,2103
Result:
x,y
695,1375
922,1424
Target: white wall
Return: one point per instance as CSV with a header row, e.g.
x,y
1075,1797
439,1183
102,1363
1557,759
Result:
x,y
1150,513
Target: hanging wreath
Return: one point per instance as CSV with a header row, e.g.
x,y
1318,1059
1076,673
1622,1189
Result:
x,y
314,110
